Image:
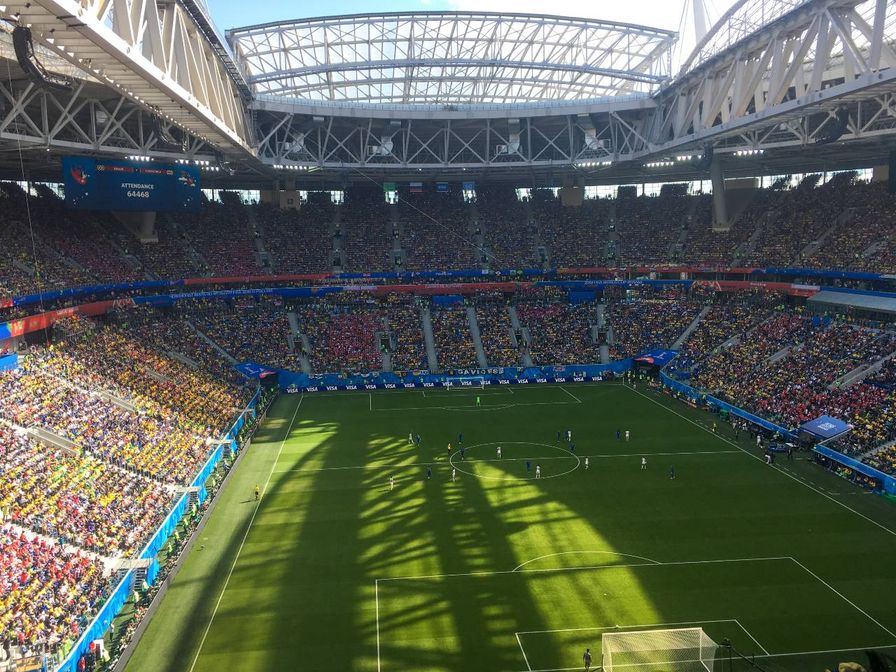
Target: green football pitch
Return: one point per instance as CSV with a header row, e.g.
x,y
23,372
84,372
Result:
x,y
495,570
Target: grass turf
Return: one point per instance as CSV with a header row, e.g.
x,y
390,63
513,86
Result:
x,y
500,571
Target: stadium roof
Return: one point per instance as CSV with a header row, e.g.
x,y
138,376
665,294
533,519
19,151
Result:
x,y
747,17
451,58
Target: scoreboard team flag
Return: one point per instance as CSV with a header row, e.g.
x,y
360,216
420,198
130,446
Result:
x,y
98,184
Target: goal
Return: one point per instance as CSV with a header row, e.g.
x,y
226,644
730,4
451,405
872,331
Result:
x,y
468,383
678,650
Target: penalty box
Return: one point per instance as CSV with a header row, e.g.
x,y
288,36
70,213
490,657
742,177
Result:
x,y
543,618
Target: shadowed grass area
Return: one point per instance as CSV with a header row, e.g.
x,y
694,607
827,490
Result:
x,y
497,570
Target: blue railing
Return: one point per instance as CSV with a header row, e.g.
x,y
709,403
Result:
x,y
113,605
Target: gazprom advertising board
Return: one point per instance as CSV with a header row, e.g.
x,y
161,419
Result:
x,y
99,184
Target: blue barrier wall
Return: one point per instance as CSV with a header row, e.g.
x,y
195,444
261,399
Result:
x,y
888,483
697,395
119,596
99,624
9,362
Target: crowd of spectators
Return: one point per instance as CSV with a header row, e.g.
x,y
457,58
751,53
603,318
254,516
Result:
x,y
649,226
47,592
405,326
131,425
366,242
451,333
221,235
77,498
435,231
504,224
248,329
802,382
650,322
559,332
496,331
573,237
343,335
299,241
728,317
169,255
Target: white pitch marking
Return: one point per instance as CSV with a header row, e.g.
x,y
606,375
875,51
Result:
x,y
552,555
245,536
578,401
846,599
627,626
376,587
773,466
750,635
525,657
588,567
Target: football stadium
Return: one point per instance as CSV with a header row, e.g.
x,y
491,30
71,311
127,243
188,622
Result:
x,y
422,338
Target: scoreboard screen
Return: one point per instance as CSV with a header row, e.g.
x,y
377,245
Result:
x,y
98,184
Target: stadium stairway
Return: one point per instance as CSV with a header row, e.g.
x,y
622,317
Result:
x,y
217,348
520,329
861,372
680,341
182,358
813,246
428,338
876,449
473,323
299,337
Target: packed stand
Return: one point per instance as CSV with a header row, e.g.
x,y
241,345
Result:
x,y
249,330
802,215
649,226
435,231
342,335
651,322
451,332
863,240
560,332
495,331
574,237
168,258
801,383
76,498
509,235
47,593
220,234
299,241
405,324
732,316
365,241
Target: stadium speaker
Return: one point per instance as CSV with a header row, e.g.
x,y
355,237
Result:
x,y
891,179
23,46
705,161
835,129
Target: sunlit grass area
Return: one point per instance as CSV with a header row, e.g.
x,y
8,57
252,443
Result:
x,y
368,552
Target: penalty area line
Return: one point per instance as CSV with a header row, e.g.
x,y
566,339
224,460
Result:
x,y
578,401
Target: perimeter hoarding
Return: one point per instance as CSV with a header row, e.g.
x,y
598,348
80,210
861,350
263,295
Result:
x,y
99,184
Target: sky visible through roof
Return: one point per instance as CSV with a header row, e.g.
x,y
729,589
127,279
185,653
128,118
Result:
x,y
665,14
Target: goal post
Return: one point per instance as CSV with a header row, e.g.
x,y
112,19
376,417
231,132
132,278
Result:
x,y
676,650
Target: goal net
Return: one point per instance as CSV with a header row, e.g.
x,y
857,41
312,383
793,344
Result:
x,y
678,650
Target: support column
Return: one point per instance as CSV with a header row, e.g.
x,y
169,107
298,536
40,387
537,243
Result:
x,y
719,207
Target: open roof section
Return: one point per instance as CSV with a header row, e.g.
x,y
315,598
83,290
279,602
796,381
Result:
x,y
451,58
748,18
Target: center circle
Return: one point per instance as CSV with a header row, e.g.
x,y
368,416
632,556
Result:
x,y
457,463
